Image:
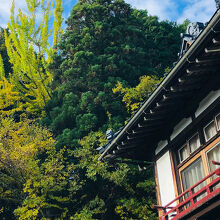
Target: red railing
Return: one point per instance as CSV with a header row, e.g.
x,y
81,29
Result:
x,y
191,199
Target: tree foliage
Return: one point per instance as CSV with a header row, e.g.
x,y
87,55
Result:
x,y
133,97
10,100
106,41
32,174
109,191
29,51
3,53
84,83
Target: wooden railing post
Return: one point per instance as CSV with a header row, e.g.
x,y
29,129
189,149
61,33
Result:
x,y
191,196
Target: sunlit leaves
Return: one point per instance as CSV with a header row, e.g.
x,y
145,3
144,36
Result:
x,y
132,97
30,52
120,187
31,170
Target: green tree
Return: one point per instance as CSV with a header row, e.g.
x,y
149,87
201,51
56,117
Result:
x,y
32,175
3,53
10,100
106,41
133,97
29,51
108,191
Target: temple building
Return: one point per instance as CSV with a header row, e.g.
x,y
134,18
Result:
x,y
178,129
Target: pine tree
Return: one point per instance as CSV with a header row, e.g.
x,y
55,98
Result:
x,y
106,41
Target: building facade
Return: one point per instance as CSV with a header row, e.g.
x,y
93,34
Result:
x,y
178,128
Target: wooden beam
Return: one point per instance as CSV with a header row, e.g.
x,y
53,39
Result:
x,y
216,40
167,101
110,157
154,116
148,124
189,87
207,60
173,95
142,163
166,104
200,69
150,121
212,50
191,79
159,105
158,112
149,114
126,148
138,139
145,129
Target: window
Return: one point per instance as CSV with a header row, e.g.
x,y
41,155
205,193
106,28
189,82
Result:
x,y
213,155
200,166
191,145
183,153
210,130
194,143
193,174
217,118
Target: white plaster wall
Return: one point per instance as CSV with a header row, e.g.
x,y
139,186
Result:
x,y
207,101
180,127
165,179
160,146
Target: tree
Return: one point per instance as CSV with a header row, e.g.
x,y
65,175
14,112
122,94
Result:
x,y
10,100
32,175
29,51
3,53
133,97
109,191
106,41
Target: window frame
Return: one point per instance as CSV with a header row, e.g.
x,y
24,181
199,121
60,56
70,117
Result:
x,y
188,147
204,158
206,127
196,134
194,161
187,165
217,127
206,154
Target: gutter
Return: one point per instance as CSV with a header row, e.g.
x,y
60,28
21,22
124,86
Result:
x,y
171,75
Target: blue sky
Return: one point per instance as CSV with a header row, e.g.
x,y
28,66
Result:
x,y
177,10
174,10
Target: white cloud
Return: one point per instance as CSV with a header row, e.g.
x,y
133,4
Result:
x,y
194,10
5,7
198,10
166,9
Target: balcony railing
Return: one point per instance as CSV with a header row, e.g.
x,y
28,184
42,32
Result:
x,y
191,199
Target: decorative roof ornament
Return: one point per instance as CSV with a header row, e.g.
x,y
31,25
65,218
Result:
x,y
192,32
110,135
217,4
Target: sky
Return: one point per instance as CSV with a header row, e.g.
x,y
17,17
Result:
x,y
173,10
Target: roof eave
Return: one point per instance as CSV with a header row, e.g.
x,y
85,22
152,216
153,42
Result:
x,y
209,28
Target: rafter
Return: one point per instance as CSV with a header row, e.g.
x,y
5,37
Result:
x,y
212,50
